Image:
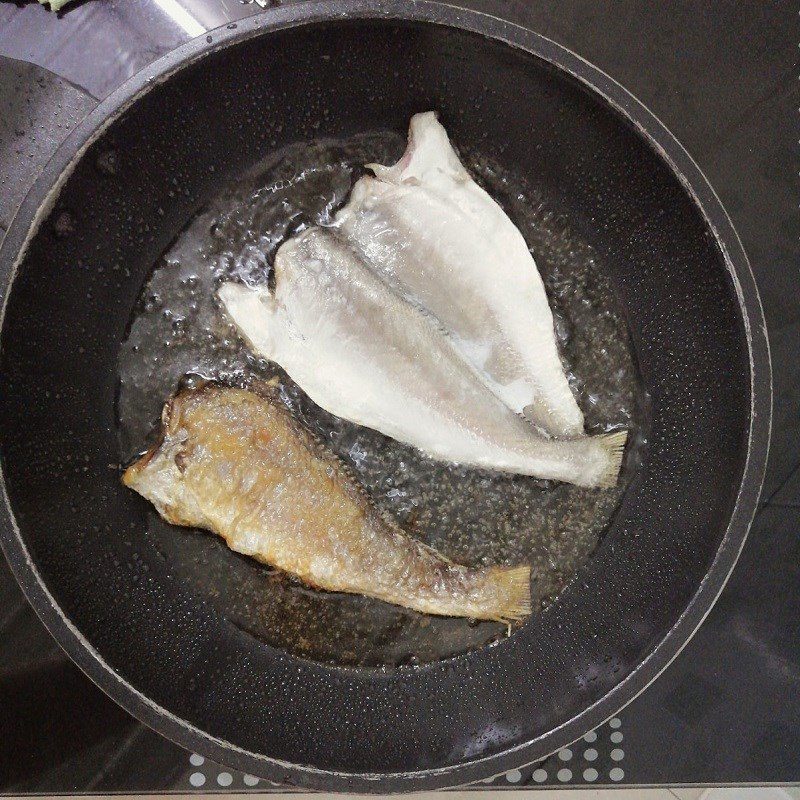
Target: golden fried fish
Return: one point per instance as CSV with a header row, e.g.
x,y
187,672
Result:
x,y
234,462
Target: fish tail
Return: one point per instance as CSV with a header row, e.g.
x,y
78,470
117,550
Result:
x,y
512,590
614,446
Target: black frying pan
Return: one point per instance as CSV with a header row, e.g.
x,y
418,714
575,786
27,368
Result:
x,y
73,264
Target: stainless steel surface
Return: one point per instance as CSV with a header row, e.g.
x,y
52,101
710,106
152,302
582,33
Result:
x,y
97,45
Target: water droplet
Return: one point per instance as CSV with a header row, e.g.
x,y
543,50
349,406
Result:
x,y
64,225
107,162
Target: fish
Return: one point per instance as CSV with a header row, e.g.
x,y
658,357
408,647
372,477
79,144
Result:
x,y
427,228
363,353
235,462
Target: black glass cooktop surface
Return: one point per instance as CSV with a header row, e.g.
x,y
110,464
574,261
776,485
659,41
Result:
x,y
723,77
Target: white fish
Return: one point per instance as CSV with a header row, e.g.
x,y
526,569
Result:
x,y
365,354
442,242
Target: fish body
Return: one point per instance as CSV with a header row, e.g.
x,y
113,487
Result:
x,y
363,353
427,228
234,462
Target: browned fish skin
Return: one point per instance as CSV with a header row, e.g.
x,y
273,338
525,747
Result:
x,y
234,462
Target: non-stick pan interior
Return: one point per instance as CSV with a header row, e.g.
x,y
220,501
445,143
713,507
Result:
x,y
136,187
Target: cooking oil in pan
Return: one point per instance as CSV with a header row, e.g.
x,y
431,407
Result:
x,y
472,516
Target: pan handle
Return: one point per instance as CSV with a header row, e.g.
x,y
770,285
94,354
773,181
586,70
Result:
x,y
97,45
55,68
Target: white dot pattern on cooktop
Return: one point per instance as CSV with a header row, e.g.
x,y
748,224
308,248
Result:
x,y
224,779
596,757
197,779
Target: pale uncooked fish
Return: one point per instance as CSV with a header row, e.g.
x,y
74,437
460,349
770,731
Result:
x,y
427,228
234,462
363,353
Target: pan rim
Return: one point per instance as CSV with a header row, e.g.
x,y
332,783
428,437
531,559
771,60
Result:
x,y
46,188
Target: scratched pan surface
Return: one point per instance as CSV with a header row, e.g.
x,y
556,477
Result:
x,y
156,618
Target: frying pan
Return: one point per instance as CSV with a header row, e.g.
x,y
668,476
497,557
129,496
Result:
x,y
74,262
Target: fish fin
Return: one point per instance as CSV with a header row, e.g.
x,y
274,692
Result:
x,y
170,413
253,312
614,446
430,550
544,420
382,172
428,150
514,583
362,189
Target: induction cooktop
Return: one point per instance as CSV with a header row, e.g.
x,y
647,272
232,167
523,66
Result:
x,y
723,77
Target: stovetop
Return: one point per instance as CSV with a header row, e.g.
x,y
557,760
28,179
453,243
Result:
x,y
723,77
